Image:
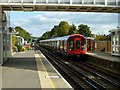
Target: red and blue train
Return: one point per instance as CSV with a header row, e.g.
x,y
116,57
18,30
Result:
x,y
75,44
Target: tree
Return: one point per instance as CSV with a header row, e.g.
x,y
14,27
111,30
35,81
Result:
x,y
46,35
84,30
101,37
73,30
64,28
23,33
54,31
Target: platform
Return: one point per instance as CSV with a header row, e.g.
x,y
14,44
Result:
x,y
31,69
105,61
103,55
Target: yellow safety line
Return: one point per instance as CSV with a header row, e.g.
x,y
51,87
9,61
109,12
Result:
x,y
51,82
38,66
53,86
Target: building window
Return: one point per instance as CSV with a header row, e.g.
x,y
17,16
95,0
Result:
x,y
77,2
100,2
113,40
116,40
111,2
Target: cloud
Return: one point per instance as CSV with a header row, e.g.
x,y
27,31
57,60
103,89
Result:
x,y
38,23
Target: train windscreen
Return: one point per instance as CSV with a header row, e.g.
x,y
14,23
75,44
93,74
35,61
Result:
x,y
71,43
77,44
83,43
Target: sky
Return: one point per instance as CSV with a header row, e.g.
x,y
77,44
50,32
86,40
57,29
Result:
x,y
38,23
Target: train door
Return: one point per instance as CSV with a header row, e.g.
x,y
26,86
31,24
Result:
x,y
77,46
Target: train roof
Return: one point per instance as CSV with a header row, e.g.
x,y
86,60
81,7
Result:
x,y
60,38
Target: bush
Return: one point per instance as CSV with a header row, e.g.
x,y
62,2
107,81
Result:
x,y
15,49
19,48
23,49
13,40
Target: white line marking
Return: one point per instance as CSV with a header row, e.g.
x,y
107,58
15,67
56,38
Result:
x,y
57,72
52,76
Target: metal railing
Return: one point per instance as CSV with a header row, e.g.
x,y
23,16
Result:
x,y
77,2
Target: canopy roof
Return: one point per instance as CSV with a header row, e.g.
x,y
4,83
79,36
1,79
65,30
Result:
x,y
115,29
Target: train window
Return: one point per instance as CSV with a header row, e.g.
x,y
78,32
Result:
x,y
64,45
77,37
71,44
83,43
77,44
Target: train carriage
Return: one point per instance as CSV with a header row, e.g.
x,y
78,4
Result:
x,y
75,44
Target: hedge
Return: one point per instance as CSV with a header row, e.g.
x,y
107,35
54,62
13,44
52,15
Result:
x,y
19,48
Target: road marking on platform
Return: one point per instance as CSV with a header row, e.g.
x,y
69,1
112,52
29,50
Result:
x,y
57,71
52,76
38,66
39,72
48,75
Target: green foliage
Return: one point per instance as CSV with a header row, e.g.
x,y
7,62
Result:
x,y
54,31
104,37
84,30
73,30
19,48
13,40
46,35
23,33
15,49
64,29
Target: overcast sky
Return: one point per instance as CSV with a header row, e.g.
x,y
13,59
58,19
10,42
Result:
x,y
39,22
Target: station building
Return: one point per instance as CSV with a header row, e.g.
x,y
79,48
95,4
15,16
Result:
x,y
5,36
20,40
115,38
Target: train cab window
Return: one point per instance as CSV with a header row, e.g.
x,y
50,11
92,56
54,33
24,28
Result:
x,y
77,37
71,44
83,43
77,44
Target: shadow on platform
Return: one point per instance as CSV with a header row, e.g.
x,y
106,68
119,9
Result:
x,y
22,63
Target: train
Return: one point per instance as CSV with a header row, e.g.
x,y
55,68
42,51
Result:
x,y
71,45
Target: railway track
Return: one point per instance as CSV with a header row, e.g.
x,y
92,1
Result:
x,y
79,75
97,77
102,72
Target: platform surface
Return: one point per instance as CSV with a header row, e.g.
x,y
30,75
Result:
x,y
104,55
31,69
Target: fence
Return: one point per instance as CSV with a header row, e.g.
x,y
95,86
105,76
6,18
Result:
x,y
104,46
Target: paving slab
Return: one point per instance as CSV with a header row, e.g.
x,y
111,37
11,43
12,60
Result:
x,y
50,78
21,71
103,55
31,70
105,61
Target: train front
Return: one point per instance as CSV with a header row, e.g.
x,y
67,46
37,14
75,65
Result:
x,y
77,44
